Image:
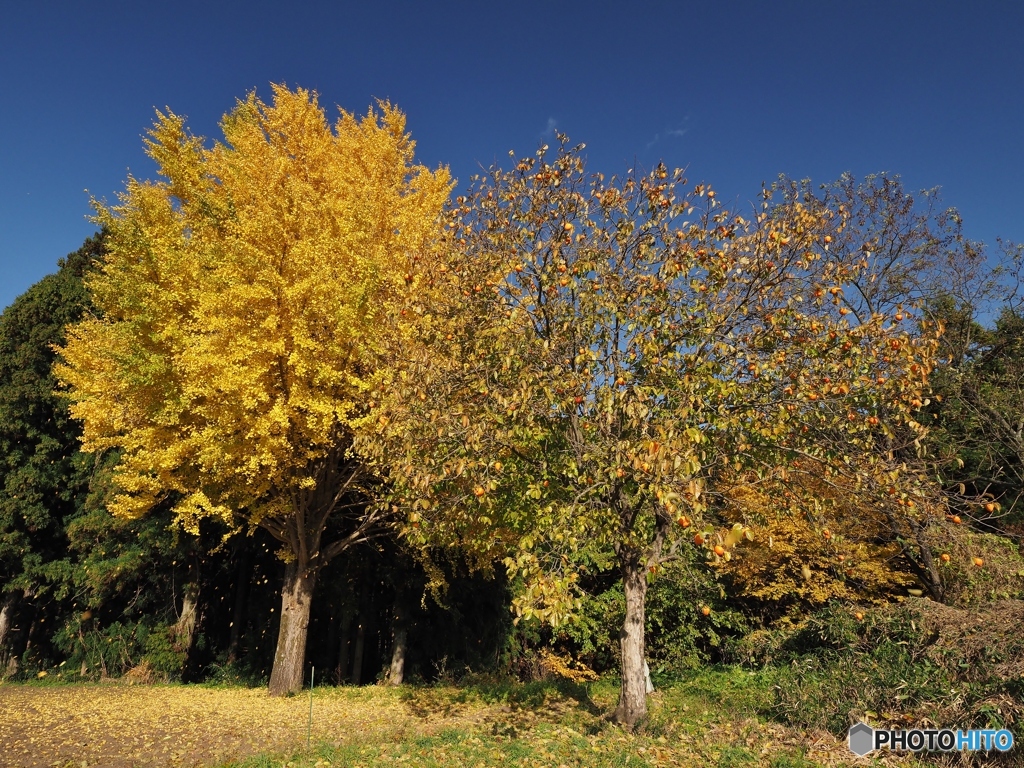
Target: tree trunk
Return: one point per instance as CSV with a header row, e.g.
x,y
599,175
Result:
x,y
929,569
399,646
10,601
290,657
6,617
341,673
185,626
357,660
337,490
241,602
632,706
19,635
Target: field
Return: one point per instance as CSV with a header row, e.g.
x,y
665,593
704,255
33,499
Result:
x,y
708,720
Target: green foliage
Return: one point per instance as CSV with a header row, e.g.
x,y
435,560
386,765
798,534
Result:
x,y
42,474
902,664
678,636
59,546
976,439
93,651
827,686
162,653
98,652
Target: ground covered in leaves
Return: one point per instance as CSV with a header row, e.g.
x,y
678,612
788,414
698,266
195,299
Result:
x,y
706,721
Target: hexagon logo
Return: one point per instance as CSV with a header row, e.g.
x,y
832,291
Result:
x,y
861,739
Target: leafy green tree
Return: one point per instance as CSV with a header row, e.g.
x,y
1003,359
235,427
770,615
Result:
x,y
979,417
43,477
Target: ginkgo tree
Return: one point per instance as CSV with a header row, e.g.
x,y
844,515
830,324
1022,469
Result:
x,y
244,309
594,356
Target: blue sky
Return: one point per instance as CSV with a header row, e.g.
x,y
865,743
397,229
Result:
x,y
737,92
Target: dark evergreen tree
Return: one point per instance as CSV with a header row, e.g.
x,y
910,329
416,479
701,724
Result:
x,y
43,477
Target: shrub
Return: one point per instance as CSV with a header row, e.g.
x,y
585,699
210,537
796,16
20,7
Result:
x,y
906,663
1001,577
95,652
679,637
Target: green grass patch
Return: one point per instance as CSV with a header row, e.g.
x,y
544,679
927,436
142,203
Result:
x,y
707,718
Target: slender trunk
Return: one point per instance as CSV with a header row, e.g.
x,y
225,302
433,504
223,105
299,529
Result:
x,y
929,567
185,626
290,657
341,672
6,617
331,659
7,608
241,603
357,660
400,645
632,706
20,634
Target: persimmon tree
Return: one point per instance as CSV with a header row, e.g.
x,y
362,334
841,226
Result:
x,y
243,311
917,270
595,355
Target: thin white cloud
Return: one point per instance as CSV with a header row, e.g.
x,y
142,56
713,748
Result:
x,y
552,126
668,133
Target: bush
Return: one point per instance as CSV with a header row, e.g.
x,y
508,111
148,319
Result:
x,y
162,653
912,662
679,637
966,584
95,652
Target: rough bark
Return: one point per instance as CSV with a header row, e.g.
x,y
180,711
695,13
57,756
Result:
x,y
929,568
7,607
632,706
341,673
290,656
6,617
399,647
357,656
241,603
185,626
337,493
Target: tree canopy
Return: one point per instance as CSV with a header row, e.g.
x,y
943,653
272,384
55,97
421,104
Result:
x,y
41,473
242,313
616,354
674,430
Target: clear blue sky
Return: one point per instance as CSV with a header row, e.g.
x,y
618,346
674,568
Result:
x,y
738,92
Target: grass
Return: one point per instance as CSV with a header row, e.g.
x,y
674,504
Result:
x,y
713,717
